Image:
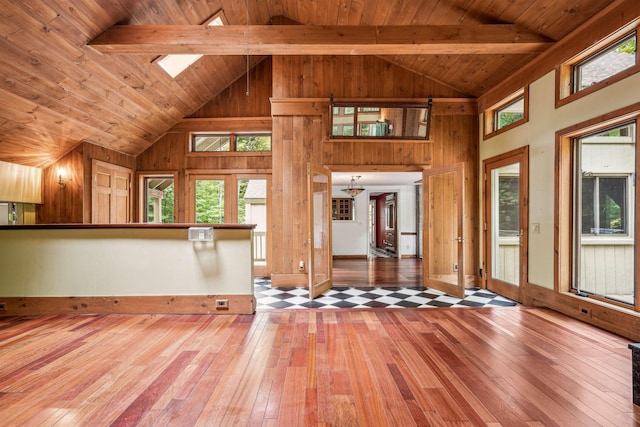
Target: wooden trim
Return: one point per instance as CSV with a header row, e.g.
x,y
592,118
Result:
x,y
613,17
376,168
223,124
86,226
319,106
350,257
606,316
165,304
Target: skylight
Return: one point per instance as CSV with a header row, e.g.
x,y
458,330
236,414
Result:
x,y
176,64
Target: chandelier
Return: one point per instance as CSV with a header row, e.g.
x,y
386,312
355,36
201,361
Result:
x,y
353,189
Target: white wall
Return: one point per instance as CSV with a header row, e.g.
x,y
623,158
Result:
x,y
539,134
351,238
123,262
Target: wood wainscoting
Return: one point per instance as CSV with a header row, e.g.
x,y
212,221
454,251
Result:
x,y
598,313
162,304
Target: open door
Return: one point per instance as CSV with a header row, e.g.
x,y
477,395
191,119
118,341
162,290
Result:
x,y
320,263
443,240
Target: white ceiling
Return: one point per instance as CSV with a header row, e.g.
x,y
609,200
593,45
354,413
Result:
x,y
376,178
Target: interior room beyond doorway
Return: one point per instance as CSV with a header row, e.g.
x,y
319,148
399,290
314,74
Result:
x,y
376,228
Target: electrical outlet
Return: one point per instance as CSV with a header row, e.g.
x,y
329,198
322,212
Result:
x,y
585,311
3,306
222,304
455,267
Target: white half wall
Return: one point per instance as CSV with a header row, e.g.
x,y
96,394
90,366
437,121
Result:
x,y
123,262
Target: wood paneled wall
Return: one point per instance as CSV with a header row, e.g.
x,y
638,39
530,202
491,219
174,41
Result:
x,y
234,101
72,204
350,77
297,137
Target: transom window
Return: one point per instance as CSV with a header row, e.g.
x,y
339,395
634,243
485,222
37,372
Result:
x,y
221,142
506,114
375,120
605,63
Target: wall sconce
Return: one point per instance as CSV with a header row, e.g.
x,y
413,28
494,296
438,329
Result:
x,y
61,175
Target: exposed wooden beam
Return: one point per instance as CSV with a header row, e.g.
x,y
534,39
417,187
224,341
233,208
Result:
x,y
319,40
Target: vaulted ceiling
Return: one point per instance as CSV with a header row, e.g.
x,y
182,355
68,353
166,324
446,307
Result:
x,y
58,90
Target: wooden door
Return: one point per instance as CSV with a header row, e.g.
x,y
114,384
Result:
x,y
506,222
319,242
443,237
111,193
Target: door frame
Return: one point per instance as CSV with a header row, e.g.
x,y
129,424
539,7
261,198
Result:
x,y
456,290
521,156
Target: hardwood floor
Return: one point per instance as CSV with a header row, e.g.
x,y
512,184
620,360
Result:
x,y
500,366
377,272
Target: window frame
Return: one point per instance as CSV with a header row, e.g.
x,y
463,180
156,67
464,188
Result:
x,y
232,142
565,204
565,73
142,192
491,114
356,108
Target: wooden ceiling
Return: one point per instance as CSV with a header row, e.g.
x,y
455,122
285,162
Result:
x,y
58,91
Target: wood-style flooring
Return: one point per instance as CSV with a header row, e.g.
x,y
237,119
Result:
x,y
499,366
377,272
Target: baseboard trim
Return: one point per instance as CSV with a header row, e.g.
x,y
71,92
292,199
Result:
x,y
611,318
166,304
350,257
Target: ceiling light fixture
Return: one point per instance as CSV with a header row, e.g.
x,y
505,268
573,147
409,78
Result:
x,y
354,188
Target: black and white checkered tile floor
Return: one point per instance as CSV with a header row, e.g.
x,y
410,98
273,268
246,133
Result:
x,y
371,297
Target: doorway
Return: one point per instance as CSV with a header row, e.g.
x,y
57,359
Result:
x,y
506,195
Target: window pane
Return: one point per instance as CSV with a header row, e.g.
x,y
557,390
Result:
x,y
606,63
210,143
209,201
159,207
588,216
252,209
604,250
509,205
253,143
510,113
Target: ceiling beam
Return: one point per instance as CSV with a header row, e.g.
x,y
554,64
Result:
x,y
319,40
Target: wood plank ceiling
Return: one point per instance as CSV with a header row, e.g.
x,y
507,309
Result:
x,y
57,91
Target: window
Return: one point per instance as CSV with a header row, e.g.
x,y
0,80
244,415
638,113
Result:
x,y
213,142
342,209
606,62
380,120
253,142
176,64
158,199
209,201
604,205
210,143
599,168
508,113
